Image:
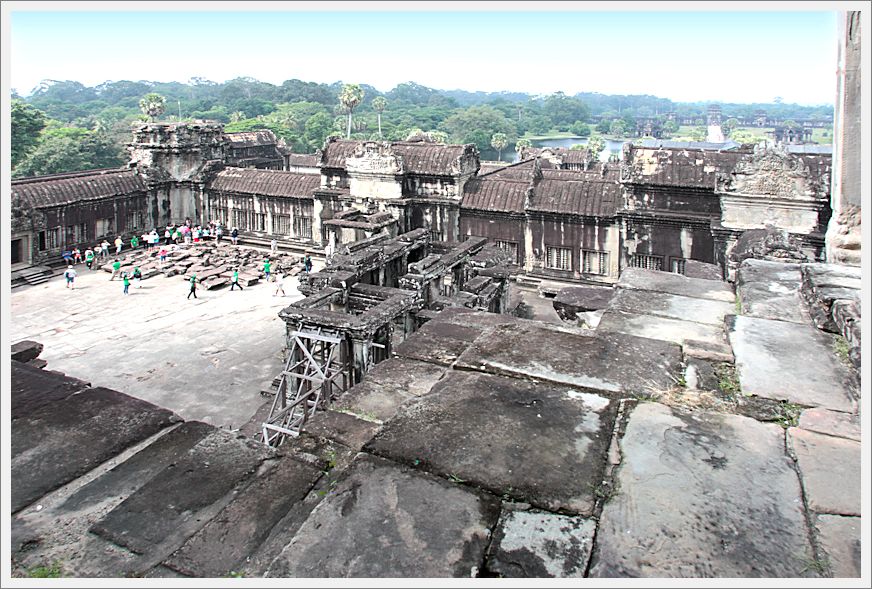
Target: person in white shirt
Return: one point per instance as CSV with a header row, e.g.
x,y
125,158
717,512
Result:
x,y
280,284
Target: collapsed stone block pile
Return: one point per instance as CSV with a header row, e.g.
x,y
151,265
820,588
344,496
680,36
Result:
x,y
213,263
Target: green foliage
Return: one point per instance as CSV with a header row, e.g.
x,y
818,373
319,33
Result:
x,y
27,122
596,144
603,126
728,380
350,96
744,136
617,128
52,571
698,133
564,110
580,129
788,415
670,127
478,124
842,349
522,144
499,142
729,126
317,128
71,150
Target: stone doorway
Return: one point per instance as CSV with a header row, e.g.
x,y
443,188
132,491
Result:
x,y
19,252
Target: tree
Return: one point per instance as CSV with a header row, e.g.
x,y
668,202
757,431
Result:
x,y
564,110
379,104
27,122
617,128
521,146
70,149
603,126
729,126
744,137
237,116
437,136
317,128
478,124
350,96
153,105
698,133
670,127
499,142
596,144
580,129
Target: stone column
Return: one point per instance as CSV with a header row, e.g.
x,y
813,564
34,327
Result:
x,y
844,239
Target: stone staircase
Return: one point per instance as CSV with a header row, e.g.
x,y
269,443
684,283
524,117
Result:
x,y
31,276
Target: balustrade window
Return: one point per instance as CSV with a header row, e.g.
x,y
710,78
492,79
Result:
x,y
558,258
647,262
510,247
595,262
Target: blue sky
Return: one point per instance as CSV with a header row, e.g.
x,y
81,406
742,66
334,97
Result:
x,y
724,56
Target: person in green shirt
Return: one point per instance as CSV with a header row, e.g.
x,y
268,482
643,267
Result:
x,y
134,242
116,267
126,280
89,258
267,267
234,282
193,286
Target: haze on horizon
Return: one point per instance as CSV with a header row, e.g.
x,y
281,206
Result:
x,y
728,57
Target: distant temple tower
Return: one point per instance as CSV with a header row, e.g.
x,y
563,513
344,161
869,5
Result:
x,y
715,134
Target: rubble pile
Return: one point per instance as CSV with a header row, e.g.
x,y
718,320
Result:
x,y
212,262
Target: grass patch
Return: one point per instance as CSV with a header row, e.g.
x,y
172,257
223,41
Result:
x,y
842,349
821,566
45,572
728,379
788,415
738,304
455,479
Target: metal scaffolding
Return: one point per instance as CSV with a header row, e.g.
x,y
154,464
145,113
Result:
x,y
317,371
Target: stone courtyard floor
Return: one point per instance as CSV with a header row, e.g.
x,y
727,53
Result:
x,y
205,359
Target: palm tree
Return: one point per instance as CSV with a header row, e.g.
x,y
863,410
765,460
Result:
x,y
350,96
379,103
596,144
153,105
237,116
521,145
498,142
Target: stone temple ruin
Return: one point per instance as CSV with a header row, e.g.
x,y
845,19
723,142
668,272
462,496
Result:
x,y
368,300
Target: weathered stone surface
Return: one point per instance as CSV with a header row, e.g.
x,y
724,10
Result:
x,y
660,328
840,539
713,352
136,471
61,441
613,363
540,544
770,290
704,270
384,520
346,429
33,388
787,361
670,283
223,544
572,300
830,469
440,342
694,309
26,350
540,443
689,500
179,498
831,423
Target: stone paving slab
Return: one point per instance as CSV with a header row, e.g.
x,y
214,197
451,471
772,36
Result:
x,y
674,306
177,498
830,469
544,444
439,342
771,290
387,386
702,495
384,520
343,428
540,544
34,387
132,474
59,442
660,328
831,423
610,363
671,283
223,544
840,539
790,362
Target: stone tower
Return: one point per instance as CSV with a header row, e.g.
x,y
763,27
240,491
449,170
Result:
x,y
176,160
713,123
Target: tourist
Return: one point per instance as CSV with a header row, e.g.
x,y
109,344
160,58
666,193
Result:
x,y
126,280
116,268
307,263
168,234
77,256
70,275
137,277
67,255
234,235
163,256
118,244
134,243
273,246
104,249
234,282
280,284
196,234
89,258
218,233
267,267
193,290
176,236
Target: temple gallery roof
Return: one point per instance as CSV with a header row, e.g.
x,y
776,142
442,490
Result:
x,y
303,159
418,157
63,189
266,182
252,138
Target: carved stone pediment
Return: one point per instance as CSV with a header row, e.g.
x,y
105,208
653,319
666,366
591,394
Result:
x,y
373,157
771,172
